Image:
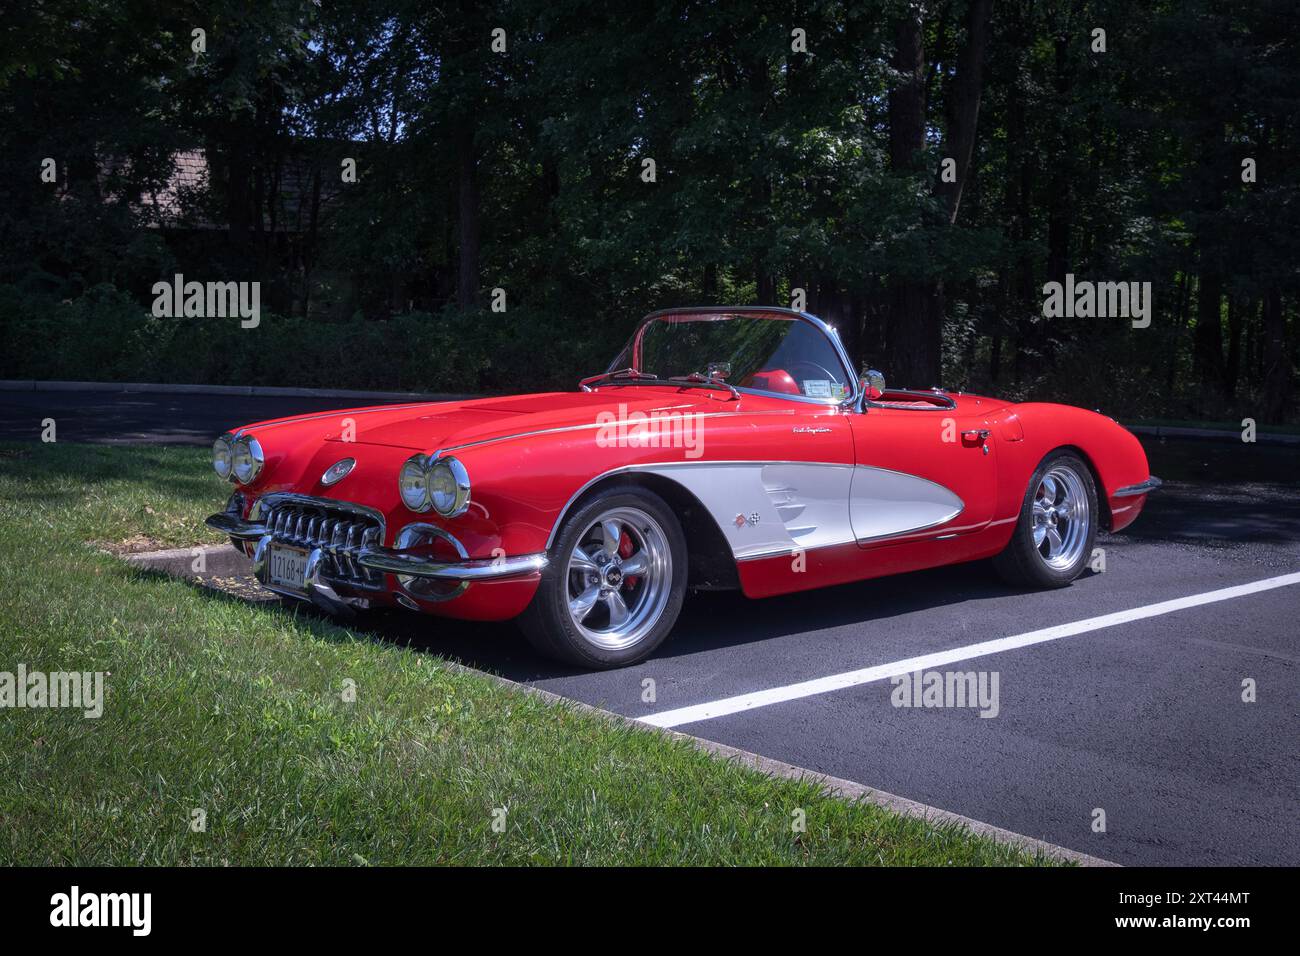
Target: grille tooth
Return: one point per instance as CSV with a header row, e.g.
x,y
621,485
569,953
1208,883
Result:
x,y
339,547
351,538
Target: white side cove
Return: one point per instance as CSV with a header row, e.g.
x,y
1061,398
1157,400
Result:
x,y
774,508
884,503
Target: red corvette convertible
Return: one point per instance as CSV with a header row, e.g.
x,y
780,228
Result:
x,y
724,448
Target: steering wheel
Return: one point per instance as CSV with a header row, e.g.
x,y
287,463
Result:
x,y
825,374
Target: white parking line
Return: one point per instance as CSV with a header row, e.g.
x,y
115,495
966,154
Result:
x,y
823,685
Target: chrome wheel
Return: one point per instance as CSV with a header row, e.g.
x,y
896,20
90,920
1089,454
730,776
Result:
x,y
619,578
1061,516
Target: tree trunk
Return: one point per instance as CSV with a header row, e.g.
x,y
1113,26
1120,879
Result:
x,y
1277,364
239,199
1207,353
907,98
915,318
965,104
1233,371
467,277
1059,203
1180,322
765,286
916,322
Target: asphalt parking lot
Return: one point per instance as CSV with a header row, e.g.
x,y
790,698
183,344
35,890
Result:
x,y
1142,718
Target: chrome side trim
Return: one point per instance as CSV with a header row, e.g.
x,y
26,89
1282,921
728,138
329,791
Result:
x,y
924,527
801,505
1131,491
589,426
419,566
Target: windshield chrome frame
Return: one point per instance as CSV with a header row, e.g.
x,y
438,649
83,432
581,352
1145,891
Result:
x,y
851,401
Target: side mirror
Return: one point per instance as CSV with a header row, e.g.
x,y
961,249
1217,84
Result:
x,y
873,384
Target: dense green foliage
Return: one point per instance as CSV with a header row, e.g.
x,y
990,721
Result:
x,y
777,168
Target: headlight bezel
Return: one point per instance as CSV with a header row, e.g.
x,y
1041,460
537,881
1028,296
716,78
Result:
x,y
450,468
223,453
451,501
417,467
249,447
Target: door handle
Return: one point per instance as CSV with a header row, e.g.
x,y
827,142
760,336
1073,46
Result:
x,y
980,435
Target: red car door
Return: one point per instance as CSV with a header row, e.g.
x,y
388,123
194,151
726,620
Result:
x,y
921,472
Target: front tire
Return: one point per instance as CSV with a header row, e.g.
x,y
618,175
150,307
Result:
x,y
1057,527
614,584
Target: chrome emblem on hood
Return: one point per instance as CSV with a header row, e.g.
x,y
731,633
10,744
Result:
x,y
337,471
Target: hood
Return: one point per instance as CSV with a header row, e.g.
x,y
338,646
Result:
x,y
440,425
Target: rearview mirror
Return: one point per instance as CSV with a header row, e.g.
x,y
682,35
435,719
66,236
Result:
x,y
873,384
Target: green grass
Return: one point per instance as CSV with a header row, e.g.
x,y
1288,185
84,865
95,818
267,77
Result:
x,y
237,709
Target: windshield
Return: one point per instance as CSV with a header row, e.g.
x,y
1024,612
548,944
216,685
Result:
x,y
772,353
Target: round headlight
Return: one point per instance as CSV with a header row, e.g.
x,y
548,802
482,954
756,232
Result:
x,y
221,457
449,487
413,484
246,459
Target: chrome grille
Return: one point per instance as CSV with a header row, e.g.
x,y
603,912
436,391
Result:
x,y
339,532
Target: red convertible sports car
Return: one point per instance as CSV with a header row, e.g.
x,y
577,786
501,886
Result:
x,y
725,448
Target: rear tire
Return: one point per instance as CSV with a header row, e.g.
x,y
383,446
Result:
x,y
1054,535
614,583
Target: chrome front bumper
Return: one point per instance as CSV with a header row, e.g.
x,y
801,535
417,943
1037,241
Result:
x,y
424,566
391,560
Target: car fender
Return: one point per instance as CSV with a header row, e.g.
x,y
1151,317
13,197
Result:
x,y
1114,454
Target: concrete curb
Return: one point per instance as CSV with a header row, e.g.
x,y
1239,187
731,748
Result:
x,y
1211,434
24,385
832,786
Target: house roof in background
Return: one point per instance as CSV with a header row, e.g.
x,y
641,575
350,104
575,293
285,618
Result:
x,y
183,202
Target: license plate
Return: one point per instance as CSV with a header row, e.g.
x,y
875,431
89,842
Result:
x,y
288,567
